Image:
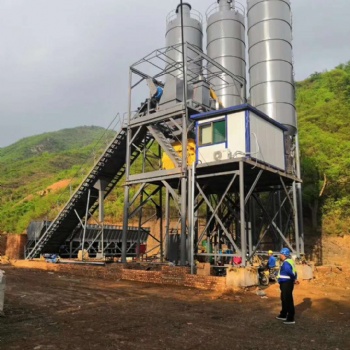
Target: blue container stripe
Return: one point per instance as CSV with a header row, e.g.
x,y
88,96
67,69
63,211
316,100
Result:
x,y
226,131
197,143
238,108
284,152
247,132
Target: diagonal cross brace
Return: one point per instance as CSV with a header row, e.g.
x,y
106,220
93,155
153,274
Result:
x,y
214,213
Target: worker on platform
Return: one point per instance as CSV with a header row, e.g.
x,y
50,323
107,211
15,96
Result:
x,y
287,277
271,264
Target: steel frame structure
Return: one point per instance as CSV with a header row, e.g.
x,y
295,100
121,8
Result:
x,y
100,240
249,205
164,125
244,202
257,200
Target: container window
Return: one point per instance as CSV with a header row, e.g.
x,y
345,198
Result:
x,y
219,131
206,134
211,133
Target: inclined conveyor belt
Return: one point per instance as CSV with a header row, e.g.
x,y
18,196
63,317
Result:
x,y
110,168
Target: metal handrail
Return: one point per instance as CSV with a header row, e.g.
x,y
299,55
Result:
x,y
193,14
237,7
117,123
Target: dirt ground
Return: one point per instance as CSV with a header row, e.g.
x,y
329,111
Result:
x,y
46,310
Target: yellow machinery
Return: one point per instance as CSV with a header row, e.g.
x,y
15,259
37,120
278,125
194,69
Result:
x,y
191,154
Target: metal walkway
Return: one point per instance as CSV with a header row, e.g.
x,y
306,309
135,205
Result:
x,y
110,168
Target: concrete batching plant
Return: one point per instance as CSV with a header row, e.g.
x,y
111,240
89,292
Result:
x,y
215,171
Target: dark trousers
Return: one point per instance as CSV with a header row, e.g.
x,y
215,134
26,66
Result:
x,y
287,300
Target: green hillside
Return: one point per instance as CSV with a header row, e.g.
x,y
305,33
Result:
x,y
30,166
323,105
38,173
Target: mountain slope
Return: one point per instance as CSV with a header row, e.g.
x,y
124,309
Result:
x,y
323,105
29,167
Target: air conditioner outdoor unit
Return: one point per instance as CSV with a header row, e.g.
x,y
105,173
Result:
x,y
222,155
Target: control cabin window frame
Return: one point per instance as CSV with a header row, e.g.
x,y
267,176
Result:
x,y
214,128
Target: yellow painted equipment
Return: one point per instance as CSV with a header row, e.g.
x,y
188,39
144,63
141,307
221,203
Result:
x,y
215,97
191,154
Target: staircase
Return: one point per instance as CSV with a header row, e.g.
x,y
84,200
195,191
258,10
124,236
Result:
x,y
165,143
110,167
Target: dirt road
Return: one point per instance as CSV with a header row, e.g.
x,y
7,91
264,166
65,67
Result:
x,y
46,310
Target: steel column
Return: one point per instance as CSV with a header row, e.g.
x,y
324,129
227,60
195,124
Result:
x,y
127,174
299,195
242,214
296,220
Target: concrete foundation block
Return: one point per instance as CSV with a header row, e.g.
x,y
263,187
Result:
x,y
83,254
204,269
241,277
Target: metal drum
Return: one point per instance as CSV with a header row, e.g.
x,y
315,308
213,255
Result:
x,y
271,60
226,46
193,34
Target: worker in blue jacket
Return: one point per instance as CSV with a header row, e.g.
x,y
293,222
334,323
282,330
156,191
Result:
x,y
287,277
271,264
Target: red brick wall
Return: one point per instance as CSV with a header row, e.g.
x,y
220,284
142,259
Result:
x,y
142,276
206,282
15,246
168,275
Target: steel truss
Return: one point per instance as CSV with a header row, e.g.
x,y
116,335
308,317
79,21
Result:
x,y
250,209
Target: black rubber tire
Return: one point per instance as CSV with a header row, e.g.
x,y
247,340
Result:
x,y
264,281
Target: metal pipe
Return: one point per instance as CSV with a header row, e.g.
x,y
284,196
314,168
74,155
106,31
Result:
x,y
242,213
191,216
299,195
141,207
161,211
189,207
101,215
161,226
85,223
167,219
127,174
250,238
296,220
183,222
